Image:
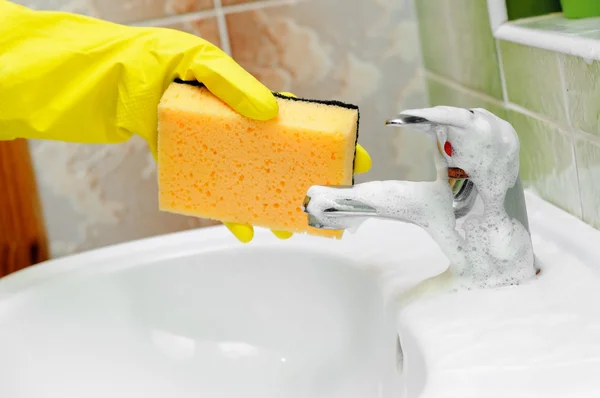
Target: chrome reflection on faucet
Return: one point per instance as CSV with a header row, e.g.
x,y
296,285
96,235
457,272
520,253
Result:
x,y
477,158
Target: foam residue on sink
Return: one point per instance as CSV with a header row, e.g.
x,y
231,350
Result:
x,y
538,339
174,346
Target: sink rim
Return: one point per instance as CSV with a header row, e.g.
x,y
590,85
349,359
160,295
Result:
x,y
545,220
210,239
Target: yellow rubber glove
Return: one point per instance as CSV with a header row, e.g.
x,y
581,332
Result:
x,y
73,78
78,79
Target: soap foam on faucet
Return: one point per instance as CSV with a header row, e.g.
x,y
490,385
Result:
x,y
537,340
498,249
491,250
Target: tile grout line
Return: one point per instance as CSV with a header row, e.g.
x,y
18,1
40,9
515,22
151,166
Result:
x,y
223,30
502,75
424,76
204,14
508,105
518,108
175,19
421,69
563,86
258,5
458,86
587,136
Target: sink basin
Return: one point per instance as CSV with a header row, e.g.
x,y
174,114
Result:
x,y
197,314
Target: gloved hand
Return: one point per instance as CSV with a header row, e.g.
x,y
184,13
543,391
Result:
x,y
78,79
73,78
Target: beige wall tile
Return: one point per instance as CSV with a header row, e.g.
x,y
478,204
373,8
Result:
x,y
138,10
208,29
74,6
367,56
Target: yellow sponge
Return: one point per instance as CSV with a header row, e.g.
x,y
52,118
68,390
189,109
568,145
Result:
x,y
215,163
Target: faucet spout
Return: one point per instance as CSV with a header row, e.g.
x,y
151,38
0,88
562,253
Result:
x,y
343,207
425,204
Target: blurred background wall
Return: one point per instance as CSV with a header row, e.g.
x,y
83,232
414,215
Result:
x,y
362,51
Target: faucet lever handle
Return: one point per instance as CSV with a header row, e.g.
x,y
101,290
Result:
x,y
402,120
436,116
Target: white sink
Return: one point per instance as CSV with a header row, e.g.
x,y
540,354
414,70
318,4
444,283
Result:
x,y
196,314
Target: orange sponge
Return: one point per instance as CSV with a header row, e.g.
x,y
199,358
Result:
x,y
215,163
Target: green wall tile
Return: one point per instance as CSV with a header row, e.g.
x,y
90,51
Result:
x,y
442,94
457,43
587,151
547,163
533,81
582,81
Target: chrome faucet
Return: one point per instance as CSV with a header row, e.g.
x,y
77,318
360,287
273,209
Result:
x,y
463,189
476,152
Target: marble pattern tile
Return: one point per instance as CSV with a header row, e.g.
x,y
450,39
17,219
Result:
x,y
129,11
368,57
97,195
74,6
207,28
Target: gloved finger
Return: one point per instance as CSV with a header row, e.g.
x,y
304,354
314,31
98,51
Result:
x,y
362,161
243,232
234,85
283,235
